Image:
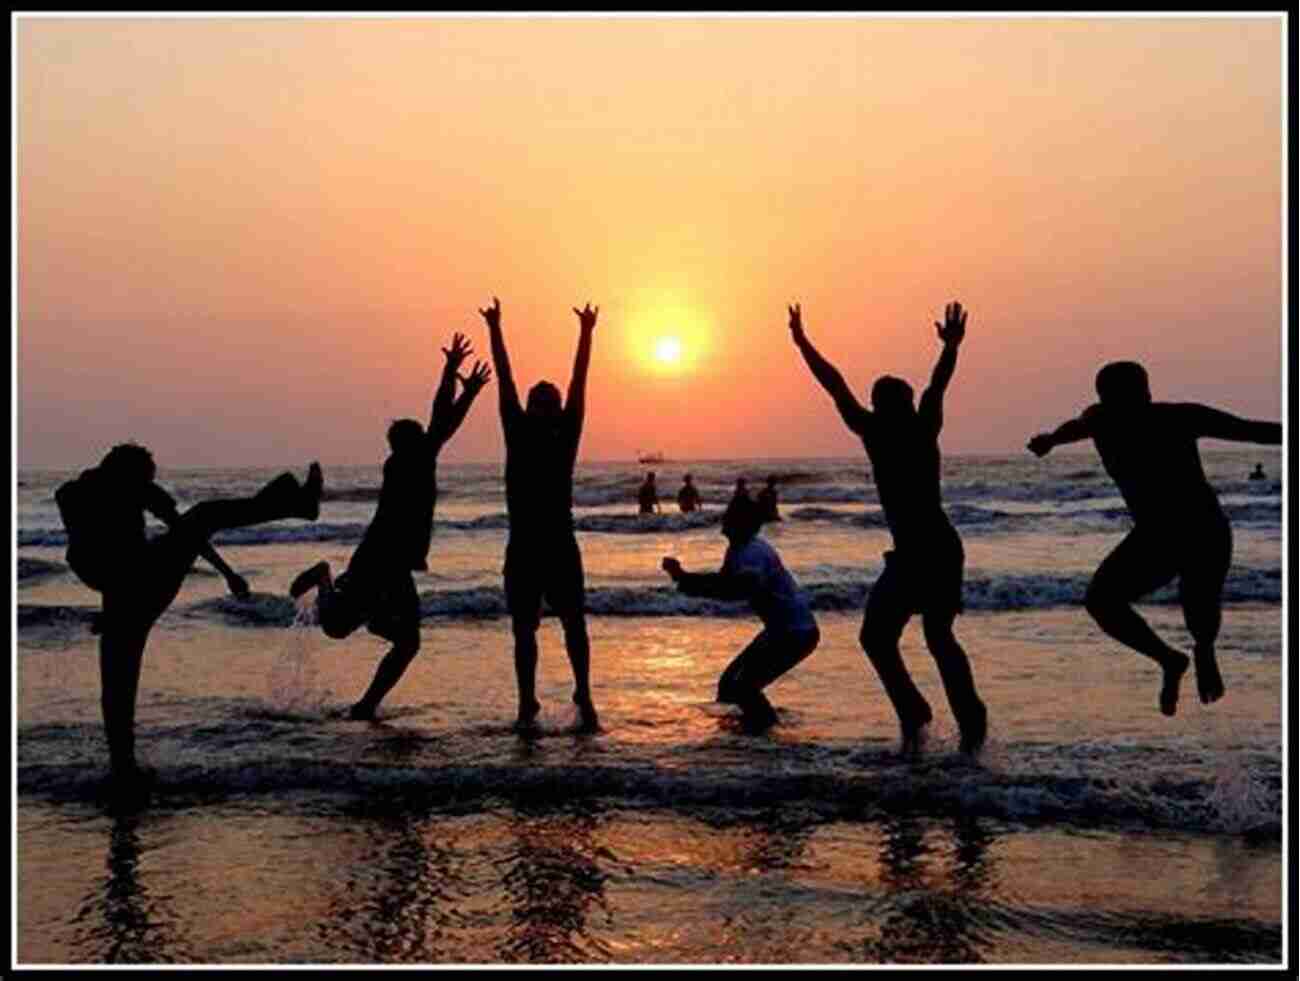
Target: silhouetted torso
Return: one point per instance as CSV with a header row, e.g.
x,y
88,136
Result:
x,y
539,475
105,523
688,498
905,461
402,528
1151,454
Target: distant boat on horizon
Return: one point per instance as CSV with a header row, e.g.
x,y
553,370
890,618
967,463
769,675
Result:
x,y
656,457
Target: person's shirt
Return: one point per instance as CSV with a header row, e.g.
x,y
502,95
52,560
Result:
x,y
105,524
1151,453
539,473
776,597
402,528
905,461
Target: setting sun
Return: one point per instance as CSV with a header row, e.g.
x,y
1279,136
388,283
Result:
x,y
668,350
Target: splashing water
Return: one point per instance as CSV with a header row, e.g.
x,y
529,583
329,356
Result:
x,y
293,681
1241,799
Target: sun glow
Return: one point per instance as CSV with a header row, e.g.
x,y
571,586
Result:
x,y
668,350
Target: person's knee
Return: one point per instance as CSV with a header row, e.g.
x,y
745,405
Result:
x,y
1099,601
575,631
939,635
877,639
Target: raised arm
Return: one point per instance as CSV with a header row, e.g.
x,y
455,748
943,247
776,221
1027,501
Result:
x,y
575,404
507,394
454,416
1067,432
1215,424
855,416
951,332
442,400
163,507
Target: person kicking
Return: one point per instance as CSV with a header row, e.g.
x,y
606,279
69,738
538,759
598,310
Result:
x,y
138,578
752,570
923,572
1179,530
377,588
543,560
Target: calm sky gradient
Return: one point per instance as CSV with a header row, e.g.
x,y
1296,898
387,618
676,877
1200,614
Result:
x,y
242,241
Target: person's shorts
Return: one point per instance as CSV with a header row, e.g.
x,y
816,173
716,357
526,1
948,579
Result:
x,y
550,570
924,580
387,604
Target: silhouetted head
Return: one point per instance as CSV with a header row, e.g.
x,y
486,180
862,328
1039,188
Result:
x,y
741,520
741,487
1123,383
892,397
650,477
405,435
544,402
688,478
771,482
130,464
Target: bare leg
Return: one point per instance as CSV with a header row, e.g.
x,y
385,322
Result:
x,y
121,654
882,626
578,645
526,674
387,675
958,683
767,657
1137,566
1201,591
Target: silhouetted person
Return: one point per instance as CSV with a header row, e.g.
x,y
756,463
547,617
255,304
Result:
x,y
648,495
542,556
1150,451
103,512
923,572
766,501
752,570
377,588
688,498
1258,473
742,490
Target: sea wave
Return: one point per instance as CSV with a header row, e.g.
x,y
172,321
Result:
x,y
847,593
842,784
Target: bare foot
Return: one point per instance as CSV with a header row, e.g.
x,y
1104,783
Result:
x,y
588,720
1209,682
915,731
526,721
974,730
1174,671
361,713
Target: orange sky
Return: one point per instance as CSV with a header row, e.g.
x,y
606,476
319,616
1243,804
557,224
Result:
x,y
242,241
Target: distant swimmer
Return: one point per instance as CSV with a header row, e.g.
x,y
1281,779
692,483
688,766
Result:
x,y
752,570
1180,531
648,495
742,490
688,498
923,572
377,589
766,501
1258,473
542,556
138,577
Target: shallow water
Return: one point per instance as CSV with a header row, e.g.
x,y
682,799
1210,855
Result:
x,y
1091,830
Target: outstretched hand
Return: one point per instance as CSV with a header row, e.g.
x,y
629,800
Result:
x,y
953,328
493,313
672,567
456,354
1041,444
587,316
796,324
477,378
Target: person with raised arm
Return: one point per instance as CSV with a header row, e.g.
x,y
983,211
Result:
x,y
923,572
543,561
752,570
138,578
1179,530
377,589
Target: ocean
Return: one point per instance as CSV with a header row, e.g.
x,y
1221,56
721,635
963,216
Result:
x,y
1092,830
